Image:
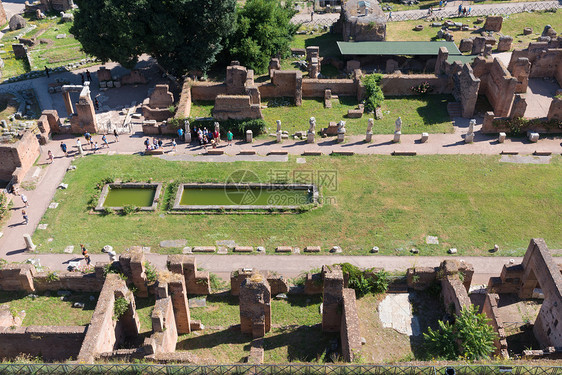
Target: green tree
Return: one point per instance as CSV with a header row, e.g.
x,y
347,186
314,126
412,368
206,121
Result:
x,y
470,337
374,96
263,30
182,35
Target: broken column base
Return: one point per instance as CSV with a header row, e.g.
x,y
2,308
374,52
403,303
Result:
x,y
469,138
369,137
397,136
501,137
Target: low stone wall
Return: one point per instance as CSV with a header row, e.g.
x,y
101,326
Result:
x,y
137,185
207,91
73,281
401,84
349,331
315,88
17,277
490,308
48,342
235,107
493,124
509,280
184,104
421,278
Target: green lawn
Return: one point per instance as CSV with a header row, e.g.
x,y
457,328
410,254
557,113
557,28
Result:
x,y
512,25
49,309
419,114
425,4
469,202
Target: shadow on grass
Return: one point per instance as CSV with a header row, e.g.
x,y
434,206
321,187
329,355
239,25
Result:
x,y
211,340
304,300
327,44
304,343
223,297
435,109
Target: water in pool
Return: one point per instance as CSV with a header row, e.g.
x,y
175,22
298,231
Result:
x,y
253,196
139,197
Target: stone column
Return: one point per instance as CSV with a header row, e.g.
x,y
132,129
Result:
x,y
397,135
249,136
29,243
369,133
279,137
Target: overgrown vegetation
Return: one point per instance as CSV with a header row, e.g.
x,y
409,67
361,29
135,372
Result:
x,y
470,337
237,127
3,205
151,272
374,96
365,281
129,209
519,125
52,276
120,307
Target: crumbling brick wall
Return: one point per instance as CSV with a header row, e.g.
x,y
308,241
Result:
x,y
401,84
277,283
184,104
236,107
196,282
104,332
16,158
51,343
165,334
255,306
490,308
349,331
496,83
17,277
332,296
156,106
133,266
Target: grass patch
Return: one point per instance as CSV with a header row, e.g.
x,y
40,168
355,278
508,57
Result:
x,y
469,201
326,42
144,311
512,25
425,4
216,346
51,310
51,52
300,344
419,114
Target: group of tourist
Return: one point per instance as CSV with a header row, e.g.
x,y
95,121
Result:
x,y
156,144
205,137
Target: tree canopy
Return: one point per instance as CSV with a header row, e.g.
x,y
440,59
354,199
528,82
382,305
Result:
x,y
182,35
264,30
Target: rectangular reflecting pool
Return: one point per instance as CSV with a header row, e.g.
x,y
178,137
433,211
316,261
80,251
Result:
x,y
118,195
207,196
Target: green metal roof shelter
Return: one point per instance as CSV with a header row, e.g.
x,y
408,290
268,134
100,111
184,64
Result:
x,y
396,48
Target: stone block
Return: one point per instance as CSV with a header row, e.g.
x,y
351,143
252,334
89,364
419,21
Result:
x,y
397,136
533,137
466,45
312,249
424,137
284,249
249,136
243,249
204,249
493,23
504,43
501,137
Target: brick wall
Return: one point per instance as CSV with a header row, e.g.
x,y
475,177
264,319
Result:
x,y
16,158
349,331
48,342
207,90
454,294
496,83
400,84
490,308
184,104
165,334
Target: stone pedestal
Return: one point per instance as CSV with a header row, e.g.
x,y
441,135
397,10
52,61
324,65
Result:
x,y
249,136
29,243
279,137
310,137
469,138
501,137
341,137
424,137
369,137
397,135
533,137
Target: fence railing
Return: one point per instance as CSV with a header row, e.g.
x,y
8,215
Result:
x,y
242,369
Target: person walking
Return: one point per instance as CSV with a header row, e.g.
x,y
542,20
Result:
x,y
180,134
96,147
104,139
96,104
229,138
85,254
390,15
24,200
25,217
88,75
116,135
312,16
50,157
174,144
64,148
47,71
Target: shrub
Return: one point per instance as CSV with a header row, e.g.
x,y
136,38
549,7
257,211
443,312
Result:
x,y
129,209
519,125
151,272
470,337
237,127
363,284
374,96
422,88
52,276
3,262
120,307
